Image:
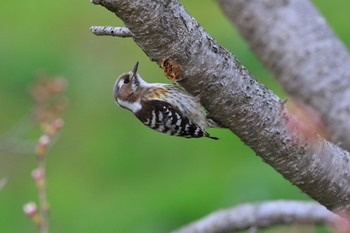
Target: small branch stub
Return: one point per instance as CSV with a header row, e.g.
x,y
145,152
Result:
x,y
96,2
111,31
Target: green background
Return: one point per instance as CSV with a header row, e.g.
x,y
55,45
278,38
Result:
x,y
107,172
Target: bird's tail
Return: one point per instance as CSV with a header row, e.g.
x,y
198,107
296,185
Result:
x,y
206,134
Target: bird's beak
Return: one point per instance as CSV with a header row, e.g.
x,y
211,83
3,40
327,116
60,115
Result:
x,y
134,78
134,69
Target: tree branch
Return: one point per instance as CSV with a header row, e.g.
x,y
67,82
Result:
x,y
261,215
294,41
172,38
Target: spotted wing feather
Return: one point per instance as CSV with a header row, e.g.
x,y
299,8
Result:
x,y
166,118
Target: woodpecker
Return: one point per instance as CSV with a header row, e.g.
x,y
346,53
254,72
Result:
x,y
163,107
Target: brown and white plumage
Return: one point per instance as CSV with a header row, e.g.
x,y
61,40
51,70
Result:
x,y
163,107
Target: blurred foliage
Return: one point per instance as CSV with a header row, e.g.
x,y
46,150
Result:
x,y
107,172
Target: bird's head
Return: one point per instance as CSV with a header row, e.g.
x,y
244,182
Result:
x,y
128,88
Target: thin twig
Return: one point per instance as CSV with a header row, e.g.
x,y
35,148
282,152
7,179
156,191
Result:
x,y
39,176
111,31
49,104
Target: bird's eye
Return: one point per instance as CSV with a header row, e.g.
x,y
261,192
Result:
x,y
126,80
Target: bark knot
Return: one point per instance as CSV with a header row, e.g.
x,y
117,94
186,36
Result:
x,y
172,69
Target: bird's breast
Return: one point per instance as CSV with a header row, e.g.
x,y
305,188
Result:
x,y
132,106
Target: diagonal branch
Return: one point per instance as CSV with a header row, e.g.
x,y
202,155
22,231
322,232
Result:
x,y
262,215
172,38
294,41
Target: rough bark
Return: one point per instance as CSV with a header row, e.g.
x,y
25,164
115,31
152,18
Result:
x,y
172,38
294,41
261,215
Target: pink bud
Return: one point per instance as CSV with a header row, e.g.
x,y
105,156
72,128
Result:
x,y
44,140
58,123
38,174
30,209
